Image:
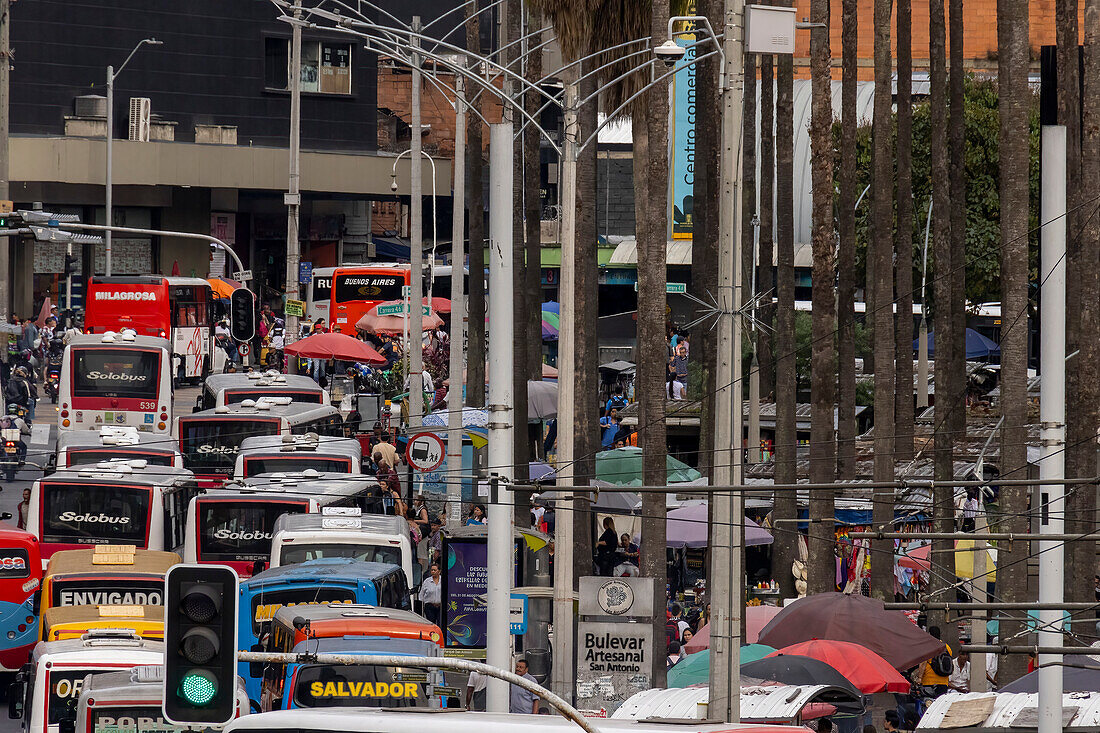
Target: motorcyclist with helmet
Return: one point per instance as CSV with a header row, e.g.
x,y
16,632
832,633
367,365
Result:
x,y
13,420
20,391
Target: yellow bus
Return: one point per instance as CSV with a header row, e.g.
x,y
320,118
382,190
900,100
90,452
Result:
x,y
73,622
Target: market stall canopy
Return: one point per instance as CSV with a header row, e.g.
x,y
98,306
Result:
x,y
694,669
977,345
394,324
775,704
335,346
982,712
853,618
869,672
607,502
623,467
618,367
223,287
1081,674
688,527
542,400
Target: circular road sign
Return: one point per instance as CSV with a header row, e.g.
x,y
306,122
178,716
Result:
x,y
425,451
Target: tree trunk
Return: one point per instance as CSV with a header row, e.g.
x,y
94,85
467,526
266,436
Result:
x,y
822,573
704,245
764,277
1014,101
846,255
882,244
532,210
785,547
475,196
946,397
1081,289
903,349
652,359
586,442
521,297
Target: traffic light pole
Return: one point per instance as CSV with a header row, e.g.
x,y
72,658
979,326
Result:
x,y
388,660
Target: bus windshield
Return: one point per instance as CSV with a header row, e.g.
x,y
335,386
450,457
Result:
x,y
95,455
94,513
329,685
214,444
322,288
293,554
373,287
105,372
295,464
241,530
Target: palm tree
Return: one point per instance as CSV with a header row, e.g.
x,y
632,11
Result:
x,y
532,211
475,164
785,548
846,252
764,277
946,397
821,571
1012,54
903,247
882,573
1080,433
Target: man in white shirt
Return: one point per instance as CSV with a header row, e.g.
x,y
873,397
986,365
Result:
x,y
431,594
959,681
475,691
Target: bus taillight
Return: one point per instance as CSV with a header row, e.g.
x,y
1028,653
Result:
x,y
161,333
64,413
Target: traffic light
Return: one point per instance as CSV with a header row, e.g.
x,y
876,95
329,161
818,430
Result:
x,y
200,644
72,265
242,314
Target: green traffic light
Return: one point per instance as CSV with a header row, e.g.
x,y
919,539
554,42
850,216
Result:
x,y
198,687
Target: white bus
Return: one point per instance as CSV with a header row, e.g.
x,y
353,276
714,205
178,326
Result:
x,y
413,720
234,526
126,502
47,689
295,453
370,538
320,292
232,389
87,447
116,379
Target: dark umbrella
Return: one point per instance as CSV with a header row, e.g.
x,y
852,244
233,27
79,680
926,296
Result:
x,y
1081,675
792,669
857,619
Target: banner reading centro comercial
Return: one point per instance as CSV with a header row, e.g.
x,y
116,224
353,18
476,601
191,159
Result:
x,y
682,136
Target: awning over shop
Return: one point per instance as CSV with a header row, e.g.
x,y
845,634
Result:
x,y
677,252
550,255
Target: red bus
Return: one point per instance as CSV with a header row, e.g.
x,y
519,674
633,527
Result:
x,y
20,577
358,288
180,309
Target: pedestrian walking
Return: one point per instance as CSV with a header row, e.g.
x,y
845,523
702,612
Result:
x,y
475,691
606,547
431,594
24,509
521,701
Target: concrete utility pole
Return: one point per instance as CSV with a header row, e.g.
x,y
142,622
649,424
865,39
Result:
x,y
458,313
416,245
5,100
293,198
727,508
500,569
1052,420
562,672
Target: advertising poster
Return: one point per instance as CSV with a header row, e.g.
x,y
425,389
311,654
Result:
x,y
464,587
682,138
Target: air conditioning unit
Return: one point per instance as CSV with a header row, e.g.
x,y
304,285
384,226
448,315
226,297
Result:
x,y
90,105
140,110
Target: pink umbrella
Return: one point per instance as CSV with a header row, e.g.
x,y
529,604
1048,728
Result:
x,y
687,527
393,324
335,346
917,559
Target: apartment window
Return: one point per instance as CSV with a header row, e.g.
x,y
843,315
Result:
x,y
326,66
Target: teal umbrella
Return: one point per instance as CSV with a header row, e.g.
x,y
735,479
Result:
x,y
623,467
694,669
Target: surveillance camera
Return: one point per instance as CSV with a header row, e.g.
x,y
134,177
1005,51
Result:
x,y
393,185
669,52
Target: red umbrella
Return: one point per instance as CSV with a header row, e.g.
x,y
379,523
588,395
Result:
x,y
394,324
917,559
335,346
439,305
858,619
869,672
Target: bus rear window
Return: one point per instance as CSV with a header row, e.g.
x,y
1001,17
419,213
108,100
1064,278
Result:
x,y
240,530
295,553
14,563
309,397
350,288
91,514
322,288
295,464
334,686
95,455
127,373
63,691
214,444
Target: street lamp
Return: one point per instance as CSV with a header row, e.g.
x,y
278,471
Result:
x,y
111,75
435,210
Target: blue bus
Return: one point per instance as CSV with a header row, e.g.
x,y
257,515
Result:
x,y
324,581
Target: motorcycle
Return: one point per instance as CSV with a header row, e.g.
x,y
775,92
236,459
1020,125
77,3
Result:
x,y
52,385
15,449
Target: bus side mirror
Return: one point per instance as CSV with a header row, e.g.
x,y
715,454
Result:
x,y
36,605
16,694
5,515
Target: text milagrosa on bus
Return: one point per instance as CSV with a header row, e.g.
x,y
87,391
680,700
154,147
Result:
x,y
117,379
180,309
